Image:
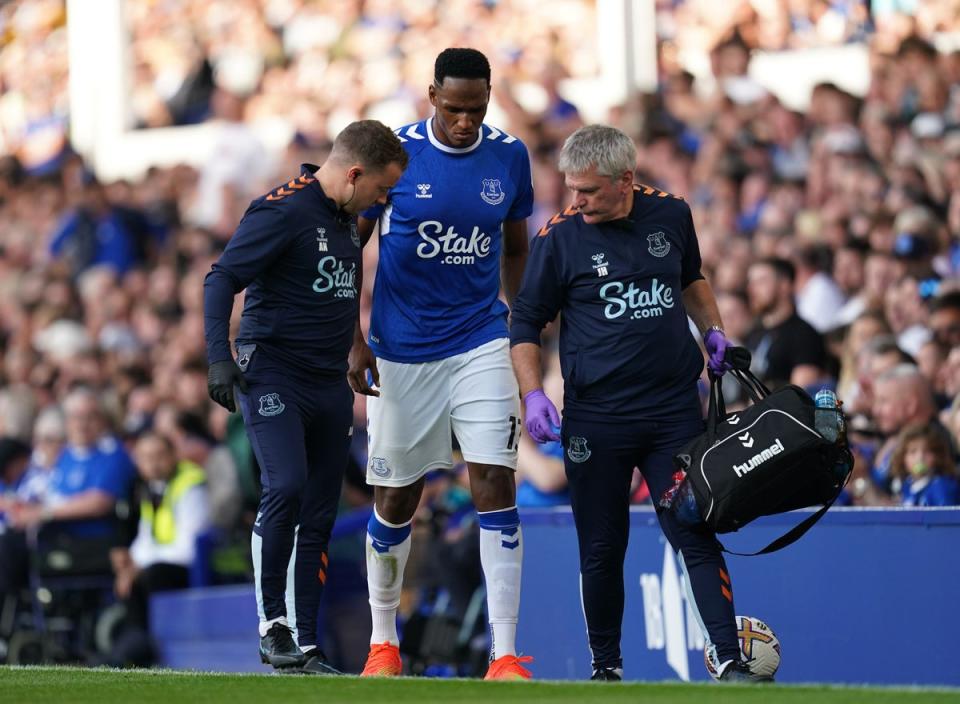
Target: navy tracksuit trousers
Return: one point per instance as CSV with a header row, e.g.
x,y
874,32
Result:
x,y
599,457
300,430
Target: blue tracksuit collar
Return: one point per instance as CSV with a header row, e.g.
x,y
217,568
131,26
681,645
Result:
x,y
308,172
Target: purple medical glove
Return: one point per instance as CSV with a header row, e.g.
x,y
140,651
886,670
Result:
x,y
717,345
541,418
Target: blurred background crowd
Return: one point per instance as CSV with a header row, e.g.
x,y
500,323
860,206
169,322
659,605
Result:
x,y
831,235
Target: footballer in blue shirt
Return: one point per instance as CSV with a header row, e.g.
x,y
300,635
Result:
x,y
297,253
438,352
622,266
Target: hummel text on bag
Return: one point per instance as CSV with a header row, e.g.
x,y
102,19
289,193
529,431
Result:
x,y
775,449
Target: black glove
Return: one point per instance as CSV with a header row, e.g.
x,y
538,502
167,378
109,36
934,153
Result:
x,y
221,378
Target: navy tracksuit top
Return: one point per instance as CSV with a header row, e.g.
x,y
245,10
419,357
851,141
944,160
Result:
x,y
626,350
298,257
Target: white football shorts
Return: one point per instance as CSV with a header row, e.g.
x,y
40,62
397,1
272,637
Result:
x,y
474,394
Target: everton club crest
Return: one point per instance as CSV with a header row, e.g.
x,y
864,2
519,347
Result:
x,y
659,246
577,450
492,193
378,465
271,405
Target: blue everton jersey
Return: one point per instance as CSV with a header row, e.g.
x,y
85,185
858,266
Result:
x,y
438,279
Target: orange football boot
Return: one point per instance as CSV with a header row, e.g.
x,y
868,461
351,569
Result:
x,y
383,661
509,667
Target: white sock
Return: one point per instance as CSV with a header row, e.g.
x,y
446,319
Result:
x,y
388,546
265,625
501,556
723,668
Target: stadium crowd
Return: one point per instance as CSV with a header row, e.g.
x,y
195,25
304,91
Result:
x,y
831,236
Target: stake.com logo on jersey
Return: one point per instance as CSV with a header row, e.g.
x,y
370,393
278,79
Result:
x,y
642,302
451,246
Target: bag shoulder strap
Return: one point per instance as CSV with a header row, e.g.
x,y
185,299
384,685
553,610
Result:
x,y
716,408
755,388
788,538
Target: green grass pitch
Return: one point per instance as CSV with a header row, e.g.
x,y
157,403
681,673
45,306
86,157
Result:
x,y
52,685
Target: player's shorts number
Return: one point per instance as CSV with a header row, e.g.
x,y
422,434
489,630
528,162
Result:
x,y
513,441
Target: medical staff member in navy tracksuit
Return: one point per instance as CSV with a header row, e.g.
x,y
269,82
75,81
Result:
x,y
297,254
623,267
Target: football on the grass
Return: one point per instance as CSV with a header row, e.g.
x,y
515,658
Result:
x,y
759,646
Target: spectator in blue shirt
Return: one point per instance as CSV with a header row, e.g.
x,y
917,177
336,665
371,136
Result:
x,y
92,473
924,465
98,232
49,438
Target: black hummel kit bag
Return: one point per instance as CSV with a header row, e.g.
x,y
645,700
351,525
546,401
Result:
x,y
763,460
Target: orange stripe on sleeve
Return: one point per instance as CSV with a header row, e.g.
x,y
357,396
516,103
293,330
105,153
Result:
x,y
556,220
293,185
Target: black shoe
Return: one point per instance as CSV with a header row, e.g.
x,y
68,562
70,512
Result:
x,y
607,674
278,649
739,672
317,664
